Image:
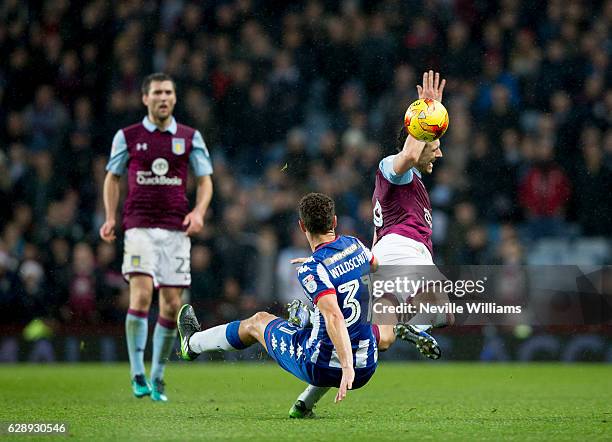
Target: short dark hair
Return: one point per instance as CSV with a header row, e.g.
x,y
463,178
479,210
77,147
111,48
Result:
x,y
401,138
158,76
317,212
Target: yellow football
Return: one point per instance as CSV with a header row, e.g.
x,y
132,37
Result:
x,y
426,119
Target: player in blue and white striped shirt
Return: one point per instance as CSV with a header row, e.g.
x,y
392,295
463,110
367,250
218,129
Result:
x,y
340,350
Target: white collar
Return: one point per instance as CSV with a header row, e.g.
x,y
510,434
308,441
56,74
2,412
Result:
x,y
151,127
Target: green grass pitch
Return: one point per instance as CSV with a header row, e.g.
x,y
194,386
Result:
x,y
250,401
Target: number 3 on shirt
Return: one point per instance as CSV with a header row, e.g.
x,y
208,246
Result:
x,y
351,287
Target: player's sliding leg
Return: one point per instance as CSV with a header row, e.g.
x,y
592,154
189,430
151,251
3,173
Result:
x,y
302,408
236,335
136,330
299,315
163,339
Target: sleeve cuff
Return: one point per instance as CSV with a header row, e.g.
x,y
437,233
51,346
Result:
x,y
323,293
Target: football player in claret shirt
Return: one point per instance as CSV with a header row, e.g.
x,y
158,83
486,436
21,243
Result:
x,y
156,155
402,217
403,223
339,350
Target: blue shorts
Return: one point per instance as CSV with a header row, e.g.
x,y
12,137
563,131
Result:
x,y
286,343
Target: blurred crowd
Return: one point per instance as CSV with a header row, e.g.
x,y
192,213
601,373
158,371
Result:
x,y
294,97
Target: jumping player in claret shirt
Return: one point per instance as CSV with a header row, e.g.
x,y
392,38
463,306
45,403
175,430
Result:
x,y
403,226
156,154
402,219
340,349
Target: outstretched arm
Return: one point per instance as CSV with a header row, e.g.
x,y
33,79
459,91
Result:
x,y
409,156
338,333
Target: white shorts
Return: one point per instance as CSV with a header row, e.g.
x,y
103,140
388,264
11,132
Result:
x,y
162,254
394,249
405,258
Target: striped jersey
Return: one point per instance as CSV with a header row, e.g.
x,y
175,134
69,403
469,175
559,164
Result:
x,y
340,268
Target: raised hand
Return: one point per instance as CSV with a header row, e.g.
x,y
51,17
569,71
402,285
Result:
x,y
432,86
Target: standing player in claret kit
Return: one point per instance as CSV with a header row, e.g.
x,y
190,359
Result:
x,y
156,153
340,349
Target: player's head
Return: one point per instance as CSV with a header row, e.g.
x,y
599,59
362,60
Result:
x,y
317,214
431,150
159,95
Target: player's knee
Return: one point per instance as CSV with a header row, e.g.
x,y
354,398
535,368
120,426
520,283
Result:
x,y
170,301
140,299
385,343
260,318
385,337
254,324
141,292
171,308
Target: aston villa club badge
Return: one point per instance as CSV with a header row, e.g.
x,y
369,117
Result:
x,y
178,146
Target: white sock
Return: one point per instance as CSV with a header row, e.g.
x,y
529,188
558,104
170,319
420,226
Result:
x,y
435,321
421,327
213,339
311,395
